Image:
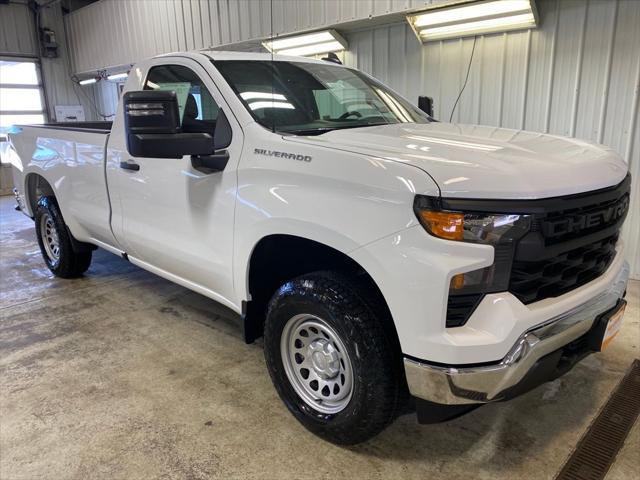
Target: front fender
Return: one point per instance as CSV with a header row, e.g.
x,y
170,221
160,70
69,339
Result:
x,y
247,242
339,199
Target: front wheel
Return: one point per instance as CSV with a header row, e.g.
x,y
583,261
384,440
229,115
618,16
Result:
x,y
330,359
55,242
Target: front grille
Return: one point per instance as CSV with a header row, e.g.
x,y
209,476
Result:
x,y
537,280
570,242
574,223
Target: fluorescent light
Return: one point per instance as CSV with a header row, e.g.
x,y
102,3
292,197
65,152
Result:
x,y
516,21
313,49
471,12
88,81
117,76
300,41
307,44
472,19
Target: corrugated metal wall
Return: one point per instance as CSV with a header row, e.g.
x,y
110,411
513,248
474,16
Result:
x,y
56,72
15,39
136,29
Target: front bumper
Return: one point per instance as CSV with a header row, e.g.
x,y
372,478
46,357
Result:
x,y
452,385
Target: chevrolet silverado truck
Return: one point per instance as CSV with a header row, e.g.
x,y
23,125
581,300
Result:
x,y
392,263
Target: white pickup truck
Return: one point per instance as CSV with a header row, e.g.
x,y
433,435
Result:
x,y
390,261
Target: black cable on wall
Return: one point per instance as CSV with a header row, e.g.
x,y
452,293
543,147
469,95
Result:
x,y
473,49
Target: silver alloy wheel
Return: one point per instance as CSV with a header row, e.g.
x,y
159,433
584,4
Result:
x,y
316,363
49,236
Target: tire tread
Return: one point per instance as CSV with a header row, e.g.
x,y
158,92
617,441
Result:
x,y
347,294
72,264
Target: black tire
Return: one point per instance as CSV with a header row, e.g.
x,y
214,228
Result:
x,y
69,263
377,380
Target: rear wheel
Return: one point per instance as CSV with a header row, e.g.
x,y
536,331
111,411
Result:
x,y
330,359
55,242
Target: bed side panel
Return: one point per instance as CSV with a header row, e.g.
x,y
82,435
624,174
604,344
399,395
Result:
x,y
72,162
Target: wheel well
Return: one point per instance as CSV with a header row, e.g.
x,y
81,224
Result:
x,y
37,187
278,258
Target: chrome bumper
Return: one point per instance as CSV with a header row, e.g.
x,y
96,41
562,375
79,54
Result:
x,y
482,384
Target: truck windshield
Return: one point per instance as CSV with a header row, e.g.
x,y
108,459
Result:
x,y
312,98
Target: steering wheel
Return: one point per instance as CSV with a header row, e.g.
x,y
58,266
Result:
x,y
346,115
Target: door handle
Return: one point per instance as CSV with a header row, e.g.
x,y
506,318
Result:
x,y
130,166
210,163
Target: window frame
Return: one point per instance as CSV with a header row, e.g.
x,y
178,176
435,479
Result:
x,y
38,86
195,74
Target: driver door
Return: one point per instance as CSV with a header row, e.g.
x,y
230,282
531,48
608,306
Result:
x,y
171,217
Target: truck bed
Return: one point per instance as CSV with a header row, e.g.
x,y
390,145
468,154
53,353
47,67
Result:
x,y
96,127
70,156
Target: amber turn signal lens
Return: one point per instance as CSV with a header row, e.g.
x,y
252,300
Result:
x,y
457,282
447,225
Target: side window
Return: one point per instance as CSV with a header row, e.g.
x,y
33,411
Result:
x,y
198,109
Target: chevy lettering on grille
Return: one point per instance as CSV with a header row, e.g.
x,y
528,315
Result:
x,y
594,219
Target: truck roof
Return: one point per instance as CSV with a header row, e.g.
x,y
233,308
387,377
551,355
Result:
x,y
226,55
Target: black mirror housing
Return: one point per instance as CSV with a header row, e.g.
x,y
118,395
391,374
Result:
x,y
151,111
176,145
222,134
152,127
426,105
221,141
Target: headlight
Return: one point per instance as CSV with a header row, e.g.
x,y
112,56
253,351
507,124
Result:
x,y
491,229
500,230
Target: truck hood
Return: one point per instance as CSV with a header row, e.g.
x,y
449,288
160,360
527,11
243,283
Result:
x,y
470,161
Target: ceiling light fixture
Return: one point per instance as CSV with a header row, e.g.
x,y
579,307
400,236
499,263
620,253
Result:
x,y
117,76
475,18
88,81
315,43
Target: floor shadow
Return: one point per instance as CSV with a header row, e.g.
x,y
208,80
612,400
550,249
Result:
x,y
499,435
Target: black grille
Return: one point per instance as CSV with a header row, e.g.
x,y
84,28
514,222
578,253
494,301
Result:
x,y
570,242
582,221
460,308
537,280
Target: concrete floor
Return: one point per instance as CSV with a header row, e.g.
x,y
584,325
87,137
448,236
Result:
x,y
122,374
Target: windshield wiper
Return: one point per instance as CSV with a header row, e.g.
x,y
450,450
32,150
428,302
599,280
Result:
x,y
321,130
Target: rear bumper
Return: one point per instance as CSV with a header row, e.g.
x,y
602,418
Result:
x,y
453,385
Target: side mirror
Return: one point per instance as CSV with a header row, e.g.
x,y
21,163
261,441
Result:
x,y
426,105
217,161
222,133
152,127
